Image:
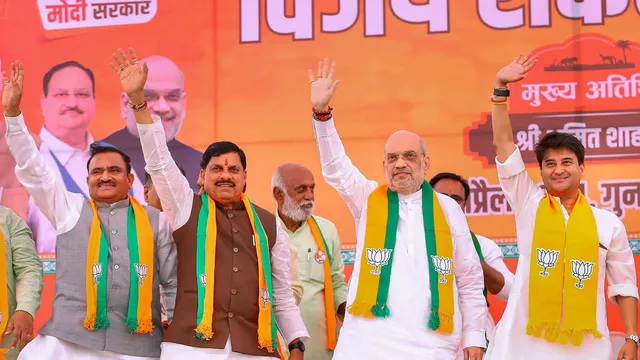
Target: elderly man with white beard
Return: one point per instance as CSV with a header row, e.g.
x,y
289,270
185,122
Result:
x,y
319,260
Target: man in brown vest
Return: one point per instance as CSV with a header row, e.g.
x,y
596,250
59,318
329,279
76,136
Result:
x,y
223,310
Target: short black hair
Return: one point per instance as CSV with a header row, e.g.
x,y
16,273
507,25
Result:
x,y
220,148
447,175
559,140
100,148
148,181
71,63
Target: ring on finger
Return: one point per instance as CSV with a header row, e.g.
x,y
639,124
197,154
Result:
x,y
121,67
135,62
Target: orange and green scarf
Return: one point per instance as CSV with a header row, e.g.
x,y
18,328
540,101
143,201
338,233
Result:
x,y
4,294
377,255
329,304
141,250
205,270
563,279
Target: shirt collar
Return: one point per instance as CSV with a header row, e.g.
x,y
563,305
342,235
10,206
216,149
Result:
x,y
286,229
62,150
118,204
411,197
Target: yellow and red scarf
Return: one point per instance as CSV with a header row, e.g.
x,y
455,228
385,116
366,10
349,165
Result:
x,y
563,279
141,258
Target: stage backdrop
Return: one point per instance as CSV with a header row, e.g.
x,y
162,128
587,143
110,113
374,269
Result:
x,y
424,66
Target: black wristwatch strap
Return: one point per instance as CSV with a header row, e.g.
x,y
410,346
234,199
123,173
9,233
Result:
x,y
296,345
501,92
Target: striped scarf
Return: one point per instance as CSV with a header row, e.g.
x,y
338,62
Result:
x,y
141,250
380,238
205,271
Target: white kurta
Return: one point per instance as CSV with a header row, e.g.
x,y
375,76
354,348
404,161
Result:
x,y
494,258
404,335
509,340
49,347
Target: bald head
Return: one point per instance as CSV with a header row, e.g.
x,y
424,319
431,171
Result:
x,y
405,162
404,139
165,95
293,189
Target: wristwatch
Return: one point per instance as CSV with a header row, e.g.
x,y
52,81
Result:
x,y
635,338
296,345
501,91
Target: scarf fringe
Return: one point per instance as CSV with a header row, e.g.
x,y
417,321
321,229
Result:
x,y
142,327
381,311
270,344
358,308
553,333
90,322
204,332
102,321
438,320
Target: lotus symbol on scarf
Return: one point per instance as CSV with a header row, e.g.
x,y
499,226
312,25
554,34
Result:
x,y
378,258
141,270
96,271
546,259
265,298
443,266
203,280
581,270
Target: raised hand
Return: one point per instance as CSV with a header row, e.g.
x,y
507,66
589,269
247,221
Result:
x,y
12,87
132,75
322,86
516,71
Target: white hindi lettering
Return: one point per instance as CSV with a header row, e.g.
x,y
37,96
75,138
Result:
x,y
551,92
69,14
614,86
623,137
620,195
301,23
590,137
527,139
496,18
485,199
590,11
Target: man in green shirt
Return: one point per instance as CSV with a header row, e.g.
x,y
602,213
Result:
x,y
319,259
22,278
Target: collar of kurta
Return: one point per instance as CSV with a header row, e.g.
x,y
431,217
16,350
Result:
x,y
236,205
62,150
116,205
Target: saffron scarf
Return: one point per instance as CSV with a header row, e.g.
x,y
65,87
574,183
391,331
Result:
x,y
329,303
377,256
141,260
205,270
4,294
563,280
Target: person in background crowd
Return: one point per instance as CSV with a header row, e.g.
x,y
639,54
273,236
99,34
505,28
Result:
x,y
112,253
166,98
566,246
319,257
497,277
414,251
234,259
20,284
68,105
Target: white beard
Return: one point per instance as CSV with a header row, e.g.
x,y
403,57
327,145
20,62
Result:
x,y
294,210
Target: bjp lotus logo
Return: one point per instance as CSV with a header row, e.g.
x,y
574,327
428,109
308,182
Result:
x,y
546,259
203,280
96,271
443,266
378,258
581,270
320,257
265,298
141,271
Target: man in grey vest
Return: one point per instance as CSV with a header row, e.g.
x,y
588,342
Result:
x,y
112,253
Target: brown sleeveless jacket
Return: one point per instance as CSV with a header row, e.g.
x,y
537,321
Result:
x,y
236,281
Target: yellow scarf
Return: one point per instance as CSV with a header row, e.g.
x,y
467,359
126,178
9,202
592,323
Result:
x,y
563,273
377,255
329,302
141,249
205,269
4,294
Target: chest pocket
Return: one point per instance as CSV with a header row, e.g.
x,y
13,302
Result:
x,y
310,264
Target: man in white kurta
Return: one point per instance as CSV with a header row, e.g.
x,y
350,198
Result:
x,y
561,166
404,334
498,279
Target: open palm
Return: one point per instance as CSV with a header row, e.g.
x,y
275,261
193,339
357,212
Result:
x,y
12,87
516,71
322,86
132,75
